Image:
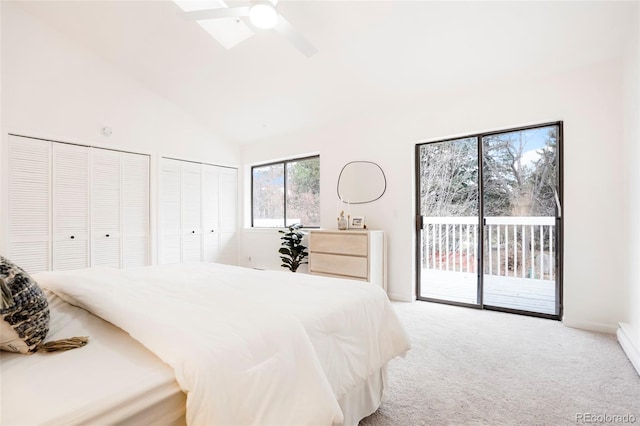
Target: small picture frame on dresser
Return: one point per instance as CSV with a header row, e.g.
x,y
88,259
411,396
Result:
x,y
357,222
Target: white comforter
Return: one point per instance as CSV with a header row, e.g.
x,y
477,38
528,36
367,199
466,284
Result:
x,y
247,346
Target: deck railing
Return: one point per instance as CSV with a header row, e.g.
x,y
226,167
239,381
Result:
x,y
514,246
450,243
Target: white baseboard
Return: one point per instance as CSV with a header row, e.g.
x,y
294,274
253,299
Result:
x,y
591,326
629,345
400,297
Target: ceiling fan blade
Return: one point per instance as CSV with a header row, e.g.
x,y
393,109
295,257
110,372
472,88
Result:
x,y
302,44
222,12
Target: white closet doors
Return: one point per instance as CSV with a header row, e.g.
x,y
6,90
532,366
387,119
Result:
x,y
105,208
198,209
135,210
73,206
210,207
29,209
170,211
191,212
70,206
119,208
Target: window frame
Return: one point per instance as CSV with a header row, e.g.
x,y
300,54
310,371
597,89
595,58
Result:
x,y
284,164
560,236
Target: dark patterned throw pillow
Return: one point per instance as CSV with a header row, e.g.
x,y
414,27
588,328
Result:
x,y
24,311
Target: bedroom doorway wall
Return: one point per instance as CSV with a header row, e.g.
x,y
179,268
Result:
x,y
489,220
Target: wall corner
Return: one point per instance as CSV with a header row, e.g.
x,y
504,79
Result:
x,y
630,345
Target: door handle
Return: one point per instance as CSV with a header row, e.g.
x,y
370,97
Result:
x,y
555,194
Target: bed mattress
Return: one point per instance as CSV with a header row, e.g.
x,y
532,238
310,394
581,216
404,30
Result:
x,y
112,380
120,376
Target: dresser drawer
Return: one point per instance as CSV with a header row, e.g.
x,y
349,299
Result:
x,y
347,266
340,243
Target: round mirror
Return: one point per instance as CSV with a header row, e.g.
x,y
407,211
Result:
x,y
361,182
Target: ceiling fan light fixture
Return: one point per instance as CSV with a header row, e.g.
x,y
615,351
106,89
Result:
x,y
263,15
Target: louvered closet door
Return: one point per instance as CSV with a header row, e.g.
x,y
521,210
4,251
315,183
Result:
x,y
28,209
170,211
210,228
135,210
70,206
105,208
228,212
191,212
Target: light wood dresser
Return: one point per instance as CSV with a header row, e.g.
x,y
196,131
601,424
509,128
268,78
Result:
x,y
357,255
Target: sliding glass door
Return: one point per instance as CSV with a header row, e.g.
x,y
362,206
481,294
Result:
x,y
489,220
521,205
449,211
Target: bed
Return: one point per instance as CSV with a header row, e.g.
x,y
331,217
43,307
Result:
x,y
205,344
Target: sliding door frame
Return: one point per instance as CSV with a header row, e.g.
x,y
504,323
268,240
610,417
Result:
x,y
419,227
559,253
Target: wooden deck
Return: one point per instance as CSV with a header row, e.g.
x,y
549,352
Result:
x,y
526,294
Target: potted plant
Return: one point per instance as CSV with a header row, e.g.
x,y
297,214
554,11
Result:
x,y
292,251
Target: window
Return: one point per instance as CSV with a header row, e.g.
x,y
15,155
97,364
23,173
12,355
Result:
x,y
285,193
489,206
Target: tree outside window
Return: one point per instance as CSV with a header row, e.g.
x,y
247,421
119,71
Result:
x,y
286,192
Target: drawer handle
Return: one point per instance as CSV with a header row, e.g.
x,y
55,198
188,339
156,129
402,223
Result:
x,y
107,235
72,237
193,232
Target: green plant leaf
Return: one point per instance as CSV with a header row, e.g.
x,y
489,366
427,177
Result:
x,y
292,251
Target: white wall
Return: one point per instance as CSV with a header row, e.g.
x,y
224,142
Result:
x,y
588,100
52,88
629,332
55,89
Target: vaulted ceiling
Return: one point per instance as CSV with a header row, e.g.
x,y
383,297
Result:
x,y
373,55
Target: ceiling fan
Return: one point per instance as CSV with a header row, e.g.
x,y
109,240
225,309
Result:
x,y
262,14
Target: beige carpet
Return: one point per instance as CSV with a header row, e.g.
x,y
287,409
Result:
x,y
471,367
